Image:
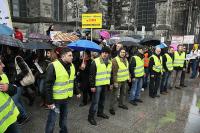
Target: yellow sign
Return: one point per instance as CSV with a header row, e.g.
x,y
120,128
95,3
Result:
x,y
92,20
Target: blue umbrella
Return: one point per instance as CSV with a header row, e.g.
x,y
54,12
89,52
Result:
x,y
5,30
162,45
82,45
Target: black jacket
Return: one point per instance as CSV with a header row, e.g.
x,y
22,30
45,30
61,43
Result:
x,y
132,64
164,61
151,64
50,80
24,70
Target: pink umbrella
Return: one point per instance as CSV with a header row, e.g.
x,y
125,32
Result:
x,y
105,34
174,46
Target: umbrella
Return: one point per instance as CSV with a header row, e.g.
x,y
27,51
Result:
x,y
105,34
150,41
5,30
126,41
162,45
93,39
38,36
10,41
38,45
86,30
82,45
174,46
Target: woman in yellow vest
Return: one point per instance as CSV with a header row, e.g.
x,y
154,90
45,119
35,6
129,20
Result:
x,y
8,110
59,85
99,78
137,73
120,76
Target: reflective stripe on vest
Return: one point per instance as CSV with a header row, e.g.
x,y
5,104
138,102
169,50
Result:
x,y
64,84
8,110
123,72
169,63
103,73
179,59
139,69
157,67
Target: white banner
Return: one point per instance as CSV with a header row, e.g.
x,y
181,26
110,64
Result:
x,y
5,17
188,39
177,40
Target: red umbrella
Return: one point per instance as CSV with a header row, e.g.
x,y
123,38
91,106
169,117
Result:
x,y
105,34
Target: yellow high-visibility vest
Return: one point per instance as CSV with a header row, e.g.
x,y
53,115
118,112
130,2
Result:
x,y
123,71
8,110
157,67
139,68
169,62
64,84
103,73
179,59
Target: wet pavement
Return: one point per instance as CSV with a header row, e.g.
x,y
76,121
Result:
x,y
176,112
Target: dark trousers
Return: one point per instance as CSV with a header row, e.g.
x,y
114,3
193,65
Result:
x,y
182,81
146,77
13,129
154,84
98,100
86,91
62,120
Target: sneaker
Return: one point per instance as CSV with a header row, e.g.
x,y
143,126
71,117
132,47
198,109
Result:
x,y
133,103
92,121
142,89
139,100
102,115
112,112
123,107
157,95
177,87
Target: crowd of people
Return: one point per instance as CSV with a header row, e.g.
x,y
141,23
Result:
x,y
56,75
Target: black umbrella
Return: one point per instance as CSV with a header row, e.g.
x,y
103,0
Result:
x,y
38,45
150,41
126,41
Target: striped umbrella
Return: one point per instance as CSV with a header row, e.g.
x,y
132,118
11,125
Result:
x,y
10,41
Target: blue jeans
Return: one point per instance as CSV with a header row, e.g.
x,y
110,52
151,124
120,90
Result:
x,y
62,120
13,128
136,88
18,102
98,100
164,82
194,68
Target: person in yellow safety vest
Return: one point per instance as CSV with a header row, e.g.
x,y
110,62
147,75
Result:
x,y
155,68
179,64
120,76
167,64
99,78
59,84
8,110
137,73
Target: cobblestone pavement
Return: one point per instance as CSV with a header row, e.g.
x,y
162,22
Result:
x,y
173,113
